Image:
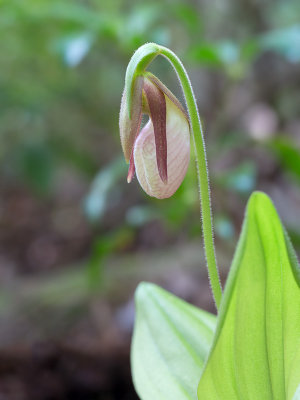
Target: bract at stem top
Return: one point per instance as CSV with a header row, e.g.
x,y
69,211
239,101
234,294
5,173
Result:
x,y
137,65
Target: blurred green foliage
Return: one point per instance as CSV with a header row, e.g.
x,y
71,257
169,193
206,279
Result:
x,y
288,155
62,69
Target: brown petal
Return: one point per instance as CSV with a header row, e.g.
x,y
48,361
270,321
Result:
x,y
167,92
157,106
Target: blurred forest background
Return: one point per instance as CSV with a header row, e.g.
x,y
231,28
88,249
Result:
x,y
75,238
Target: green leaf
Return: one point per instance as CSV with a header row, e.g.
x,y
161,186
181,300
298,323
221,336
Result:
x,y
256,348
297,394
170,344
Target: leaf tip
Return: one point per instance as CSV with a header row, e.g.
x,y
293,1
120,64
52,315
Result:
x,y
262,206
142,290
259,200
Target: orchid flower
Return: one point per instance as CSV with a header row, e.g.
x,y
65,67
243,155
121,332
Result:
x,y
160,152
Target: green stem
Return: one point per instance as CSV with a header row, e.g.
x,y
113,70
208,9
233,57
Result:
x,y
202,172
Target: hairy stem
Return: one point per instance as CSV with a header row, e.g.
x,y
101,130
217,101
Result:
x,y
202,172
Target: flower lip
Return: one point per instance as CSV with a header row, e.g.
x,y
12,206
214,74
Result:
x,y
178,154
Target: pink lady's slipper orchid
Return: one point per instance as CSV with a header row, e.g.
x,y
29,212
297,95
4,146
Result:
x,y
160,152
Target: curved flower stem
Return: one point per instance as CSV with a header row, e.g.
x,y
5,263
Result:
x,y
202,172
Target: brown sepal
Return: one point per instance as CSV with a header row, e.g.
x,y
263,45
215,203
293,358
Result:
x,y
131,126
131,169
